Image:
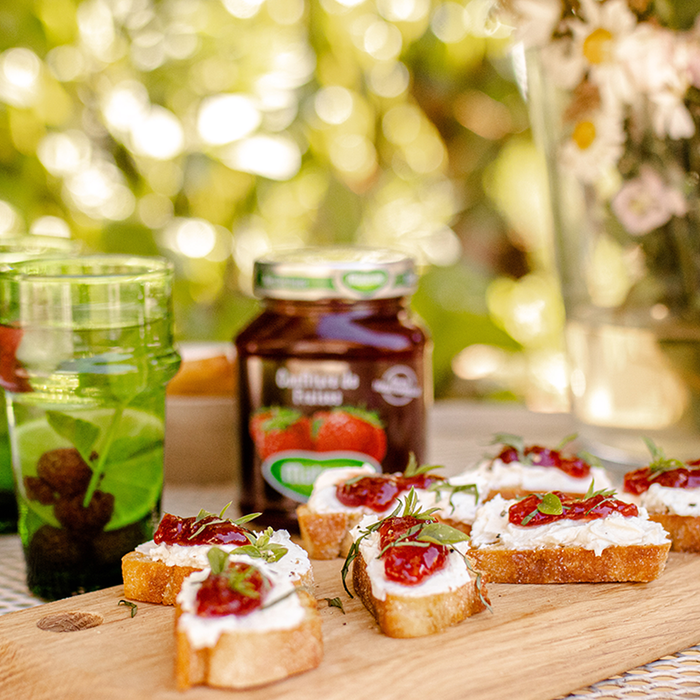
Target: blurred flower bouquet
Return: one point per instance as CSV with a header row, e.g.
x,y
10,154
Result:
x,y
614,93
628,72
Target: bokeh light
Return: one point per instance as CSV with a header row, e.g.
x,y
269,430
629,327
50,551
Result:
x,y
211,131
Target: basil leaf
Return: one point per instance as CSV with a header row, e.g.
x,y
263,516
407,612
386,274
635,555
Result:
x,y
550,505
126,448
80,433
439,533
217,560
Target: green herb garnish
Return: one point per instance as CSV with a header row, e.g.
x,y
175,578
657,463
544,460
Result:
x,y
427,532
660,463
510,440
412,468
129,604
261,547
335,603
439,486
238,580
565,441
549,504
219,519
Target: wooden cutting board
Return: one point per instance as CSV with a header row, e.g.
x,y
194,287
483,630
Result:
x,y
540,642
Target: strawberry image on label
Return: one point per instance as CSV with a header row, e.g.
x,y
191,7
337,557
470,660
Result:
x,y
275,429
349,428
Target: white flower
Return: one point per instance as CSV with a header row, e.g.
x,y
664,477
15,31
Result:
x,y
646,202
595,145
593,50
660,62
536,21
598,46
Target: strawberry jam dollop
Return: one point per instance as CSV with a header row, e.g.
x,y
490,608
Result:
x,y
379,491
640,480
375,492
406,563
207,530
526,512
238,591
546,457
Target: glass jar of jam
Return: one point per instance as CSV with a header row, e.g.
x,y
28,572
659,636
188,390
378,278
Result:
x,y
334,372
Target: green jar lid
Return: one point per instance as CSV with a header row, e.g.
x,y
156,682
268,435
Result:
x,y
334,272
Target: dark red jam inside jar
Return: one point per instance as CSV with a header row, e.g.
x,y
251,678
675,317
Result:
x,y
406,563
333,372
526,513
190,531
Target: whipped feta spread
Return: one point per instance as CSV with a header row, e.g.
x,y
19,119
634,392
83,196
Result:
x,y
294,564
492,529
674,501
452,576
204,632
530,477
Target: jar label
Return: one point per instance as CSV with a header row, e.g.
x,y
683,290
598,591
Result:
x,y
293,473
308,415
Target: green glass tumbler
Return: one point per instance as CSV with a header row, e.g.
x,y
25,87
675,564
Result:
x,y
14,249
86,347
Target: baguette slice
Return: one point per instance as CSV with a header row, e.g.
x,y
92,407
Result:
x,y
639,563
152,581
326,535
684,530
410,616
248,658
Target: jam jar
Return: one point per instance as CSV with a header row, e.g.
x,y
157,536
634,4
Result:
x,y
334,372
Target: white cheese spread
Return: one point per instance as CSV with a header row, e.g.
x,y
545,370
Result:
x,y
491,528
675,501
294,564
530,477
203,632
455,505
452,576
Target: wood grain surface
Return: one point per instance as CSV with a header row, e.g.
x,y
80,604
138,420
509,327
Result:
x,y
539,642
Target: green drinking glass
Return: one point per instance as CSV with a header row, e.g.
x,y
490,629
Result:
x,y
86,348
14,249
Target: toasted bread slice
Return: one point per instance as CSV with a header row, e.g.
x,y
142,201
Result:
x,y
418,616
152,581
249,658
326,535
684,530
641,563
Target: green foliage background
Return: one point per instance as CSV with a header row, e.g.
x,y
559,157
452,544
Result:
x,y
423,145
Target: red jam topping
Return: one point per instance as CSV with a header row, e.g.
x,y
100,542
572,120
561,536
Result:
x,y
640,480
527,511
238,591
545,457
207,530
379,491
406,563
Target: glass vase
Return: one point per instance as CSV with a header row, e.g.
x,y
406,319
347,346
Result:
x,y
625,205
